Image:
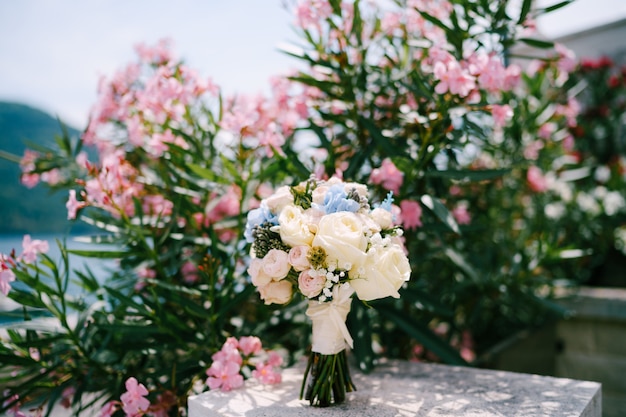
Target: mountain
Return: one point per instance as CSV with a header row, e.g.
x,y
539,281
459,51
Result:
x,y
24,210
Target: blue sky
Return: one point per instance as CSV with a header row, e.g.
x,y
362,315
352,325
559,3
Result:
x,y
52,53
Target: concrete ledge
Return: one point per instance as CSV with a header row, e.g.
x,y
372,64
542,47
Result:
x,y
398,388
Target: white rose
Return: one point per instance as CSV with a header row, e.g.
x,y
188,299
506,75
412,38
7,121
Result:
x,y
342,238
298,258
294,228
383,217
281,198
384,272
311,284
259,277
276,292
276,264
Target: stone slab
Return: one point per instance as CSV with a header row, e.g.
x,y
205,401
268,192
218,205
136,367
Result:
x,y
399,388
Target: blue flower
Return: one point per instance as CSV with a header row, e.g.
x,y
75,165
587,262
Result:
x,y
335,200
257,217
386,204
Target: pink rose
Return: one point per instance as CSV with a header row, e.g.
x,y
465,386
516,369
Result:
x,y
276,292
311,284
276,264
298,257
259,277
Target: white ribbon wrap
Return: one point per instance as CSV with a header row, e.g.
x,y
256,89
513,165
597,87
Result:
x,y
330,333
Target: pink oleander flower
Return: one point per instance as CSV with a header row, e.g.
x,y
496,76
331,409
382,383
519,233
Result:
x,y
52,177
411,214
250,345
536,180
73,205
274,359
461,214
109,409
189,270
227,205
388,175
66,396
229,352
32,248
531,151
15,409
501,114
29,180
134,402
567,58
454,79
266,374
6,277
224,375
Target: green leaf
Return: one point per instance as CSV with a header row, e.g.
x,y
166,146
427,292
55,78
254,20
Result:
x,y
537,43
423,335
468,174
100,254
524,11
378,137
441,212
557,6
462,264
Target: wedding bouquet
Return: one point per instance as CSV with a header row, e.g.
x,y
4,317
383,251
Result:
x,y
324,240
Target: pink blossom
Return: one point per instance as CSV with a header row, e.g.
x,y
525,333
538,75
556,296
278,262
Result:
x,y
109,409
29,180
461,214
274,359
133,400
32,248
536,180
265,373
15,408
227,205
411,214
6,277
310,13
158,54
250,345
501,114
189,270
388,175
229,352
224,375
570,111
157,205
546,130
67,395
73,205
453,78
52,177
531,152
567,58
492,75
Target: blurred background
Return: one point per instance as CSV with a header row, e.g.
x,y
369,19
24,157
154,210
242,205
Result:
x,y
53,55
